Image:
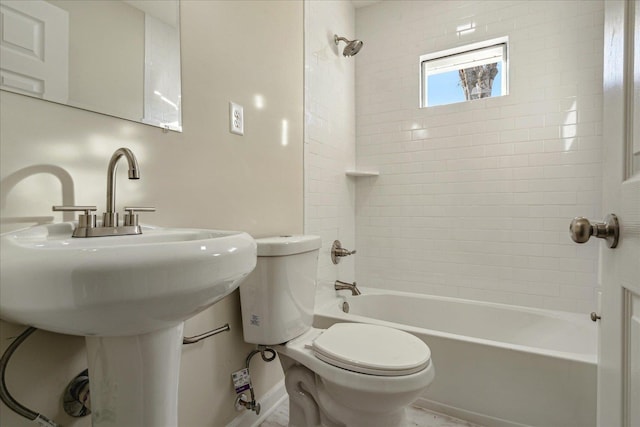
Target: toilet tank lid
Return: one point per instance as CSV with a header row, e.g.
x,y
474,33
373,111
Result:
x,y
287,245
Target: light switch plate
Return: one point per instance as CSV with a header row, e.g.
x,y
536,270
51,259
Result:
x,y
236,118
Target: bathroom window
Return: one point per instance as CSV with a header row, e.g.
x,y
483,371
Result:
x,y
463,74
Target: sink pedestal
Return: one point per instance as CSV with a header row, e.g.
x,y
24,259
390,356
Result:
x,y
134,379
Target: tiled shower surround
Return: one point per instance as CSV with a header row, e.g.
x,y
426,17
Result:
x,y
474,199
330,133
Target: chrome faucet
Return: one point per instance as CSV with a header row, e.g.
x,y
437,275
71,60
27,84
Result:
x,y
87,226
110,217
340,286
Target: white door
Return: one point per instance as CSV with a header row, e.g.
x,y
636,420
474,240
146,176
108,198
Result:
x,y
619,347
34,49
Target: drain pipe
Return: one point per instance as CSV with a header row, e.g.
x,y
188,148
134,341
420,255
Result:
x,y
6,397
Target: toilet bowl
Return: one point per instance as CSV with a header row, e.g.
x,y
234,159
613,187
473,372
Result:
x,y
343,393
350,374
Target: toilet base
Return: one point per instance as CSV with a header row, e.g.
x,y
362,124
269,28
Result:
x,y
311,404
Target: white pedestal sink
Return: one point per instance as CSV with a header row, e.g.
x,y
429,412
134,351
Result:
x,y
129,296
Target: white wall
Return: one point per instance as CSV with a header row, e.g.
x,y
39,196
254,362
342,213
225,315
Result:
x,y
474,199
329,133
203,177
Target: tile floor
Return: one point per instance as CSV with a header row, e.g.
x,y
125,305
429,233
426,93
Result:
x,y
416,417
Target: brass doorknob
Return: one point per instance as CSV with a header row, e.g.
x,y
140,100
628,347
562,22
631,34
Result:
x,y
582,229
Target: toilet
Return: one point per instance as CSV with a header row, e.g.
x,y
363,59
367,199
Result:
x,y
351,374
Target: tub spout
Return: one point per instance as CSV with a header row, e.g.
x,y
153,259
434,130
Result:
x,y
340,285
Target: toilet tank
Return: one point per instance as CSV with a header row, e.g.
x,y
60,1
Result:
x,y
277,298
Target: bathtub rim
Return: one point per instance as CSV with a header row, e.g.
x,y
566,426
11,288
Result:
x,y
329,303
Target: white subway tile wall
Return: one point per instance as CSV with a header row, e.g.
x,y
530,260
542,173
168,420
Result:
x,y
330,133
473,199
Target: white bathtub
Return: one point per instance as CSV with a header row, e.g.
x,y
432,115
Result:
x,y
496,365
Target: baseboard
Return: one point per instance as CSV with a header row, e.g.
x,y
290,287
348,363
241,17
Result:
x,y
268,403
465,415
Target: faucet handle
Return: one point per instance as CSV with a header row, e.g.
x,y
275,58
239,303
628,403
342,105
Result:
x,y
86,220
131,217
86,209
337,251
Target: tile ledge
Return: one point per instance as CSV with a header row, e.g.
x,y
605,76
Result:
x,y
358,173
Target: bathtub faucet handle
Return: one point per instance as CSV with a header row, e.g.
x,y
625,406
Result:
x,y
337,252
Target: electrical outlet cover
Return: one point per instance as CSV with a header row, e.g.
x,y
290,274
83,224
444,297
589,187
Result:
x,y
236,118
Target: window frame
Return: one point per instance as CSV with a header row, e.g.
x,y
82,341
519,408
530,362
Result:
x,y
469,54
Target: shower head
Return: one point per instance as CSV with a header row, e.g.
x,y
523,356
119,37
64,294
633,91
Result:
x,y
352,47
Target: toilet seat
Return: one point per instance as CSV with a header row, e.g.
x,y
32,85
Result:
x,y
371,349
299,351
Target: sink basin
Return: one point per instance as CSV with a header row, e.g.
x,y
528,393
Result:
x,y
129,296
121,285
